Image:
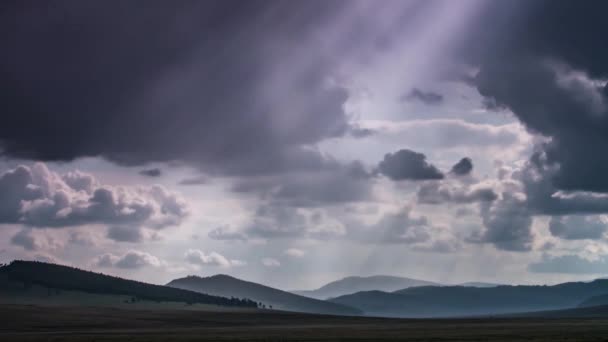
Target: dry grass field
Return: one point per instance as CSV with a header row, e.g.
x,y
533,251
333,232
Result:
x,y
57,323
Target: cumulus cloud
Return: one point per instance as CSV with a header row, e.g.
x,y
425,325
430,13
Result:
x,y
133,259
578,227
507,224
227,233
426,97
463,167
125,234
408,165
449,192
270,262
38,197
554,82
198,257
31,240
396,227
294,252
24,239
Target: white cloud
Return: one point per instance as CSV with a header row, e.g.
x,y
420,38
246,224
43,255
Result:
x,y
294,252
198,257
133,259
38,197
270,262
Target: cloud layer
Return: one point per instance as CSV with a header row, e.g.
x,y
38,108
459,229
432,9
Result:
x,y
37,197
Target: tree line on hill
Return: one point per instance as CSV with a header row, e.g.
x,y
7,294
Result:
x,y
74,279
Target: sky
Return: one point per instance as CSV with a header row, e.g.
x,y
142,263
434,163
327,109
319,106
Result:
x,y
295,143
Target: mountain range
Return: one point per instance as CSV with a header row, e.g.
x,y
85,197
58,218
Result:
x,y
444,301
227,286
25,282
350,285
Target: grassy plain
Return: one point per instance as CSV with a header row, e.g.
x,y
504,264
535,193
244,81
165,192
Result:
x,y
78,323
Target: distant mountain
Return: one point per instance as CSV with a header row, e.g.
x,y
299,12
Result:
x,y
445,301
478,284
57,277
350,285
224,285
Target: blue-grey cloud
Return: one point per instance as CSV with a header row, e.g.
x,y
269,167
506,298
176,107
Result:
x,y
125,234
463,167
426,97
569,264
408,165
155,172
577,227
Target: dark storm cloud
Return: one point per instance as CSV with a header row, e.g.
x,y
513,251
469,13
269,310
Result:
x,y
553,101
577,227
544,198
408,165
463,167
155,172
548,66
231,88
426,97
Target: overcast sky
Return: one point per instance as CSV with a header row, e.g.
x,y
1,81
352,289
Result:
x,y
294,143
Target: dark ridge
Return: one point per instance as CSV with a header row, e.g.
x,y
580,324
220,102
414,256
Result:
x,y
447,301
224,285
74,279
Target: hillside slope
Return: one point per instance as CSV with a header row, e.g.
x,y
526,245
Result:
x,y
599,300
58,277
351,285
223,285
433,301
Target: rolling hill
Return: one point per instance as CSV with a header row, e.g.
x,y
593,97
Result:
x,y
446,301
224,285
20,276
599,300
351,285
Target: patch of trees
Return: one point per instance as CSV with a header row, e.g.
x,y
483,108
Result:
x,y
74,279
